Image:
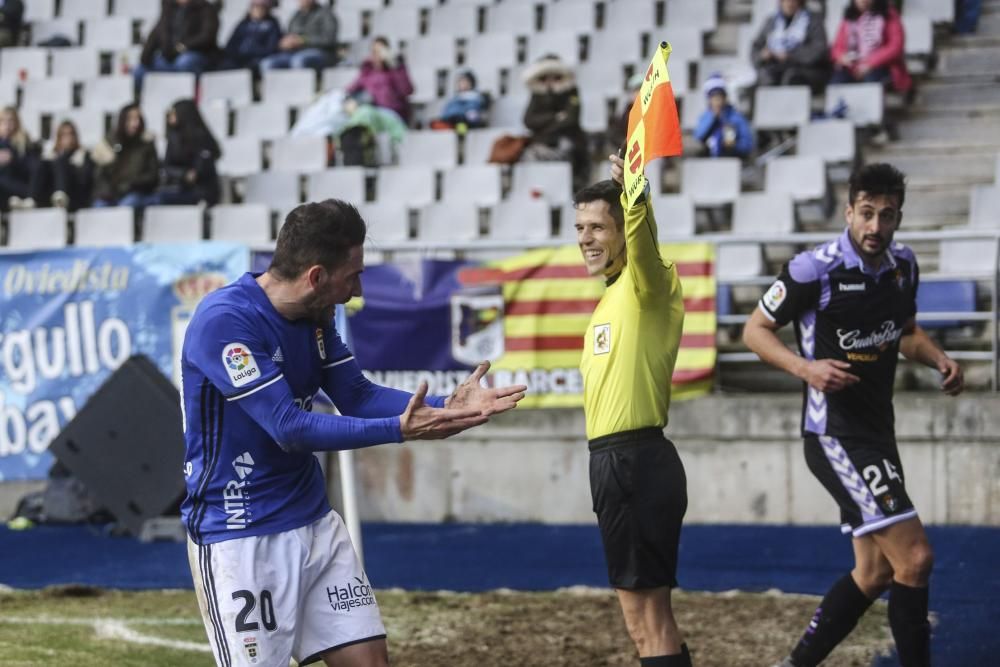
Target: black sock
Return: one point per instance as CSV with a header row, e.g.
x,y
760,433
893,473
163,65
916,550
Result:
x,y
834,619
910,627
682,659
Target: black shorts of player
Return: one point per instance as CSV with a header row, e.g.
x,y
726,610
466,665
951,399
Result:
x,y
864,477
639,490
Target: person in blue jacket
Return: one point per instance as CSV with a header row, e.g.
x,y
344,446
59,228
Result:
x,y
723,130
254,38
467,106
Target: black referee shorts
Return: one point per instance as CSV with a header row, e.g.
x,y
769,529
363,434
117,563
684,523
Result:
x,y
639,490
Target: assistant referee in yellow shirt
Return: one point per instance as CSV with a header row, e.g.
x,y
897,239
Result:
x,y
636,477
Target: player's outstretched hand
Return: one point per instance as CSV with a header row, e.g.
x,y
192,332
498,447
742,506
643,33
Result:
x,y
617,169
829,375
952,378
471,395
423,422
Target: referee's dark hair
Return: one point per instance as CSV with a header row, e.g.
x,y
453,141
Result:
x,y
316,233
608,191
877,179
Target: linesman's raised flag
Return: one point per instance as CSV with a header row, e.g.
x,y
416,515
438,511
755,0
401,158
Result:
x,y
653,127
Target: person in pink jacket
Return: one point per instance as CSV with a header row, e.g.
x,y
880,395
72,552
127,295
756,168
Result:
x,y
869,46
384,77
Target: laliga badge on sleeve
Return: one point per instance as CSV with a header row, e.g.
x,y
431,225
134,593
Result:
x,y
240,364
775,296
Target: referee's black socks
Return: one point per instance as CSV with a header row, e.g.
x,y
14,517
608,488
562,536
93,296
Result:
x,y
682,659
910,627
834,619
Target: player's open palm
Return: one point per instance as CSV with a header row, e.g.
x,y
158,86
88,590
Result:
x,y
487,400
830,375
423,422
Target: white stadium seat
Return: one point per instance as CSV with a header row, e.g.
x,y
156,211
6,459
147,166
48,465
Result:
x,y
759,213
241,223
173,224
99,227
711,181
37,229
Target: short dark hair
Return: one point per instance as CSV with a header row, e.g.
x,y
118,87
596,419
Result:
x,y
880,7
877,179
608,191
320,233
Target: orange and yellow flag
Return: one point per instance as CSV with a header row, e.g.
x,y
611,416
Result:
x,y
654,129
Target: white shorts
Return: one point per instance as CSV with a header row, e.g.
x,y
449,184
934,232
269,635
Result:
x,y
297,594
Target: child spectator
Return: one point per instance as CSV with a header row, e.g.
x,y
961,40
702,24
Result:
x,y
791,48
18,155
722,129
188,173
64,177
253,39
466,107
311,39
385,78
183,39
356,139
127,166
869,46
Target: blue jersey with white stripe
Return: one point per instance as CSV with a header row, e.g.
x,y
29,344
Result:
x,y
249,380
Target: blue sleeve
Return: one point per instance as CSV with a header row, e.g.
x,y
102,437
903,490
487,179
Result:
x,y
226,346
744,134
704,126
353,393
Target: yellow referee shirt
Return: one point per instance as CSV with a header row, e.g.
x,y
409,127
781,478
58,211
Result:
x,y
631,343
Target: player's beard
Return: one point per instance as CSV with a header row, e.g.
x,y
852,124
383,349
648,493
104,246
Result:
x,y
319,312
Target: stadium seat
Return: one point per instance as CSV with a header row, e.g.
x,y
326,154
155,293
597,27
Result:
x,y
984,206
91,124
47,95
409,186
460,21
106,34
25,63
337,78
996,171
42,31
623,46
967,256
144,9
234,87
37,229
39,10
601,77
350,24
763,213
216,116
299,154
551,182
479,143
508,111
517,219
745,35
802,177
936,10
397,22
108,93
426,85
81,9
164,88
478,184
564,42
674,217
31,121
832,140
99,227
433,51
577,15
291,87
173,224
444,222
347,183
76,63
739,73
240,223
780,107
626,15
429,148
865,104
387,221
594,111
684,15
919,35
834,15
945,296
711,181
493,51
241,156
693,104
264,121
8,92
515,18
735,261
279,190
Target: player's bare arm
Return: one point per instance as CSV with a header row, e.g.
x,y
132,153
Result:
x,y
917,346
422,422
489,401
826,375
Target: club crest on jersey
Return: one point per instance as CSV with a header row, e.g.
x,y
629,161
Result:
x,y
320,345
240,364
602,338
250,648
775,296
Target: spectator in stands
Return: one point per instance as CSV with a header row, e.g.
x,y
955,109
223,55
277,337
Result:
x,y
722,129
254,38
356,139
18,155
183,39
311,39
466,108
869,46
11,20
64,176
385,78
127,166
188,174
791,48
553,117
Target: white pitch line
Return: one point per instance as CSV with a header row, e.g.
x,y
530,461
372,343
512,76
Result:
x,y
114,628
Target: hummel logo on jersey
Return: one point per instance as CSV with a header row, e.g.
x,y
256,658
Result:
x,y
243,464
278,357
852,287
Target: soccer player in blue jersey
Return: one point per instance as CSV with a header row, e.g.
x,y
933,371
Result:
x,y
274,569
853,301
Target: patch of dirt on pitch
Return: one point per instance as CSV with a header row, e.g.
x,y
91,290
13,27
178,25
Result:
x,y
585,627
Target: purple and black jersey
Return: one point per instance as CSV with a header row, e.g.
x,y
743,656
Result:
x,y
843,310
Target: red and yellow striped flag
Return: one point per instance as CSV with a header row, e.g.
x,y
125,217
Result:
x,y
653,127
548,300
